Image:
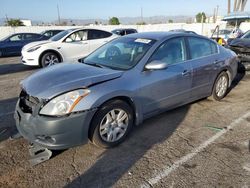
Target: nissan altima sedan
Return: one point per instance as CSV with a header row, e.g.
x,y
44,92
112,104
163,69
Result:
x,y
118,86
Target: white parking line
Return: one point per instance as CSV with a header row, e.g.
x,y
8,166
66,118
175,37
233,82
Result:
x,y
9,80
165,172
6,114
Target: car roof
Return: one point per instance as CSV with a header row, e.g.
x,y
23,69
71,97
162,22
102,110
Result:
x,y
158,35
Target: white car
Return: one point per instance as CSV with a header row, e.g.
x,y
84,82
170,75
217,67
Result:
x,y
68,45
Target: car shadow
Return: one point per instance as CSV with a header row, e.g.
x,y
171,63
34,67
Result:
x,y
236,81
116,162
7,122
15,68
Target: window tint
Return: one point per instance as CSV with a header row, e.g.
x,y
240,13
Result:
x,y
171,51
77,36
130,31
97,34
16,37
31,36
201,47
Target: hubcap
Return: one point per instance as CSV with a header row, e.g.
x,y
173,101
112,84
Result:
x,y
114,125
51,60
221,86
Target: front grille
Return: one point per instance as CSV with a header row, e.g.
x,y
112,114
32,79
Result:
x,y
27,103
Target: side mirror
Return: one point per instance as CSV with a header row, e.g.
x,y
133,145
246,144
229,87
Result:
x,y
156,65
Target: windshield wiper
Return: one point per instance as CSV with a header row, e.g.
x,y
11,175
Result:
x,y
95,65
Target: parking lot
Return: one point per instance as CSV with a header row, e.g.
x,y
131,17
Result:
x,y
203,144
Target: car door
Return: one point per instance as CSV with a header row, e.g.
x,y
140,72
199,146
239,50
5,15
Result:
x,y
75,46
14,44
97,38
162,89
203,57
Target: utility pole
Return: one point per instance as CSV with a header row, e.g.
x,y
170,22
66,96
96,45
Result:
x,y
141,14
214,15
229,7
58,14
235,5
217,10
6,18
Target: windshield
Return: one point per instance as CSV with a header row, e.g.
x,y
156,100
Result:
x,y
246,35
121,54
61,35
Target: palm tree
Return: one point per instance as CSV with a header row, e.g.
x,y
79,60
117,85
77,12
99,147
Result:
x,y
14,22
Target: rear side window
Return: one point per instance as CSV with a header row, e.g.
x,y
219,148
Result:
x,y
98,34
31,36
200,47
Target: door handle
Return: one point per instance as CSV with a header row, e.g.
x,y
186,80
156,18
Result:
x,y
185,73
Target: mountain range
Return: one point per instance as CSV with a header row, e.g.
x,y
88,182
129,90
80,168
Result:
x,y
123,20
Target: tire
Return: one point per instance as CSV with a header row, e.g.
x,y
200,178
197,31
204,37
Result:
x,y
49,59
1,53
104,124
220,86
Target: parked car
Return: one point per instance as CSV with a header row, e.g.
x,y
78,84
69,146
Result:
x,y
183,31
118,86
51,33
123,32
13,44
241,46
68,45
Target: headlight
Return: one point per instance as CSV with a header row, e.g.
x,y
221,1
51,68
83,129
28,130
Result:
x,y
33,49
64,104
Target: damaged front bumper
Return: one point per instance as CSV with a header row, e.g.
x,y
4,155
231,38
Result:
x,y
243,55
54,133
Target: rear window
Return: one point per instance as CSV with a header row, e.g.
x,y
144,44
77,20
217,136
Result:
x,y
200,47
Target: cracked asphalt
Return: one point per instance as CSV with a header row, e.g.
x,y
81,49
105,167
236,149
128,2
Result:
x,y
164,151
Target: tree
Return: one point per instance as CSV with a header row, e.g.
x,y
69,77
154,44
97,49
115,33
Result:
x,y
114,21
14,22
141,23
170,21
199,17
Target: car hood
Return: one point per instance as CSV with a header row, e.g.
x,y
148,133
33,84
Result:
x,y
37,43
52,81
240,42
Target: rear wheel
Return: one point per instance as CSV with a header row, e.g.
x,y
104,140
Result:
x,y
221,86
111,124
49,59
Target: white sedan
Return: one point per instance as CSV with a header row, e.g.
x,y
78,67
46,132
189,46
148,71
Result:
x,y
69,45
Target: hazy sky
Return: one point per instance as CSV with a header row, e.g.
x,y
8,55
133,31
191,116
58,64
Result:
x,y
84,9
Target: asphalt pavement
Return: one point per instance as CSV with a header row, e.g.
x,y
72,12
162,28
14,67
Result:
x,y
203,144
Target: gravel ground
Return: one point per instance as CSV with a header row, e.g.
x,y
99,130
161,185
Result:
x,y
203,144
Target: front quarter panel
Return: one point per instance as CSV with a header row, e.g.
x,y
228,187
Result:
x,y
125,86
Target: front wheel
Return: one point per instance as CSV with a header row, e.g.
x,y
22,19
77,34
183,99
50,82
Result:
x,y
111,124
49,59
220,86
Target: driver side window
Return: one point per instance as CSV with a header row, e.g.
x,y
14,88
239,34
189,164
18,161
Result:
x,y
77,36
171,52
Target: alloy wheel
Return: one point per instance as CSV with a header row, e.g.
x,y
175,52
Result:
x,y
114,125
